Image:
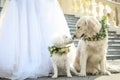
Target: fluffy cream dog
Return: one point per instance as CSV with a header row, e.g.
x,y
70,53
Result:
x,y
59,57
91,49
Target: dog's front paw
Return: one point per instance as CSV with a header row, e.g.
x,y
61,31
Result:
x,y
82,74
69,75
106,73
95,72
54,76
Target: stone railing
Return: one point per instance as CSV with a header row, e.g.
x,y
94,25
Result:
x,y
97,8
113,15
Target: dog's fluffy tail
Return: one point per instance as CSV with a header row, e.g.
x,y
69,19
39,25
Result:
x,y
113,68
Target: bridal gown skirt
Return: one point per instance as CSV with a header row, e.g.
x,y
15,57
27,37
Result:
x,y
26,30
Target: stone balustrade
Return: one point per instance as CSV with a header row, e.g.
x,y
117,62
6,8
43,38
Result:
x,y
97,8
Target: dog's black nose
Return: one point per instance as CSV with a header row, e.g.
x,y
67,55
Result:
x,y
74,36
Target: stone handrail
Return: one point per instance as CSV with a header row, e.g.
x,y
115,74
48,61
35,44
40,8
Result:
x,y
110,2
115,6
97,8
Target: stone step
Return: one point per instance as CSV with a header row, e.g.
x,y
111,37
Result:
x,y
118,50
73,29
72,21
109,42
68,16
114,44
114,36
113,47
71,17
117,41
113,53
109,57
72,25
109,47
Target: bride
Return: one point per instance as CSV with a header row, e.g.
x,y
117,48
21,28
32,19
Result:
x,y
26,30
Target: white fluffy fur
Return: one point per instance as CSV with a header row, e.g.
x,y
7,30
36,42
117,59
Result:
x,y
61,62
91,55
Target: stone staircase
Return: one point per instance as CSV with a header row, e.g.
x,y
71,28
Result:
x,y
113,41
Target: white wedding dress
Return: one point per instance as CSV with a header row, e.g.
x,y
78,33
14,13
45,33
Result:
x,y
26,30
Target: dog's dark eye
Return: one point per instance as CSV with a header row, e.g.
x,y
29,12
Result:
x,y
78,27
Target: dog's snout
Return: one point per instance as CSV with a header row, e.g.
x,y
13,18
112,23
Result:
x,y
74,36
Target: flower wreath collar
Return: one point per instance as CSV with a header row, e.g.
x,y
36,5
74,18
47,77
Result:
x,y
102,33
59,50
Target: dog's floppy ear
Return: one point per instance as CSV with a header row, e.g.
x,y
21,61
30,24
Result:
x,y
86,21
83,21
93,24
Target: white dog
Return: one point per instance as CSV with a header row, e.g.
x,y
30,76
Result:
x,y
91,49
59,57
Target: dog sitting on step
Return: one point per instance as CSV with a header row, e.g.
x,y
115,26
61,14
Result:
x,y
59,57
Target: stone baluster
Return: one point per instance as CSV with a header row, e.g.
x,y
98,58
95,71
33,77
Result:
x,y
100,9
118,17
111,16
74,6
77,7
85,7
92,8
80,9
117,14
67,6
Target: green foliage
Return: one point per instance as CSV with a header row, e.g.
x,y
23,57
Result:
x,y
58,50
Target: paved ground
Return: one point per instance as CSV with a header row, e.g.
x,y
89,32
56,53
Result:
x,y
99,77
106,77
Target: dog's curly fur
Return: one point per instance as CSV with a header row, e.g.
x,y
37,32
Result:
x,y
61,62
